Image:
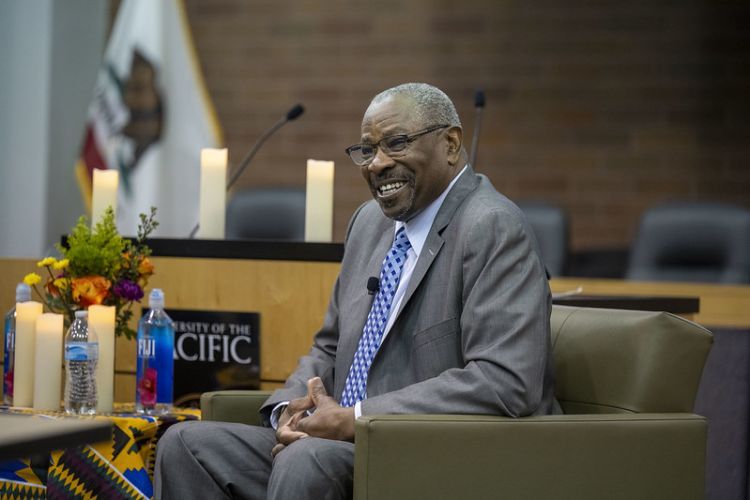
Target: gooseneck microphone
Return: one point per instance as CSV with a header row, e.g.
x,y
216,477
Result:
x,y
290,115
478,106
373,285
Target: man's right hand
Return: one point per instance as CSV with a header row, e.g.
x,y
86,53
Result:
x,y
286,432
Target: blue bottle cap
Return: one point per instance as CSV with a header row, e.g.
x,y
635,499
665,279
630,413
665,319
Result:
x,y
23,292
156,299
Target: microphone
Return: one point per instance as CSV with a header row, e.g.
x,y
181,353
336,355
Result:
x,y
294,113
478,106
290,115
373,285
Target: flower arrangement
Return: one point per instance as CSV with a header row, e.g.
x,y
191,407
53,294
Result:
x,y
98,267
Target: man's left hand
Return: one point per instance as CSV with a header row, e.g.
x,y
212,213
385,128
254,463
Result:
x,y
330,420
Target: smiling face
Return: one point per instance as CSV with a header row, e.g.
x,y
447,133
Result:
x,y
406,183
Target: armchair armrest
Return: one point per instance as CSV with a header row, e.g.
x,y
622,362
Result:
x,y
614,456
233,406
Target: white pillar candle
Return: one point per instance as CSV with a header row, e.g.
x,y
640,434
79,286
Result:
x,y
213,193
319,201
102,320
23,377
104,193
48,361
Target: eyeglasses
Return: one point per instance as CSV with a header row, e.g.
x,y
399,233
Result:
x,y
393,146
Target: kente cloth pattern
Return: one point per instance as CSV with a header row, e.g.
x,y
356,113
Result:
x,y
122,467
23,478
355,388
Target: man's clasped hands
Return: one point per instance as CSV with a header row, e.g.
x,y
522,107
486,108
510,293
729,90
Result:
x,y
329,419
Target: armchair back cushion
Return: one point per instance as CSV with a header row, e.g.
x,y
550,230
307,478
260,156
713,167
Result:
x,y
617,361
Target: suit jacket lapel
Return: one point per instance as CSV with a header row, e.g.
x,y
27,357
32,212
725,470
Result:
x,y
434,242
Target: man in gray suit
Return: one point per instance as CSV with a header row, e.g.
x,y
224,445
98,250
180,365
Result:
x,y
457,322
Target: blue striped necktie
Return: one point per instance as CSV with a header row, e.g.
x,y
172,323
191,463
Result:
x,y
372,334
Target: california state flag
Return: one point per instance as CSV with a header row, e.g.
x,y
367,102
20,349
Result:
x,y
150,117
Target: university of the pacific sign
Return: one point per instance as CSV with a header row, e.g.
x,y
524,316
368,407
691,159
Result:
x,y
214,350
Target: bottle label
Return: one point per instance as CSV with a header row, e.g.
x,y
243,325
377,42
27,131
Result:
x,y
8,361
81,351
9,338
9,347
147,348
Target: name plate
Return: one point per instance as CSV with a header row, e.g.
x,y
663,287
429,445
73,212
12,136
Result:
x,y
214,350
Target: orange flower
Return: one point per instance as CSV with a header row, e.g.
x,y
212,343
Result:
x,y
145,268
90,290
126,260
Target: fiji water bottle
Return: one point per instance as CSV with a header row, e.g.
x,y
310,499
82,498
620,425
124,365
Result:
x,y
23,294
81,356
155,370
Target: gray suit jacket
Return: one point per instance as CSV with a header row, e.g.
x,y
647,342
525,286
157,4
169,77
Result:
x,y
473,333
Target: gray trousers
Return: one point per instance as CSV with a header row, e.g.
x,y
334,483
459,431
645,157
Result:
x,y
226,460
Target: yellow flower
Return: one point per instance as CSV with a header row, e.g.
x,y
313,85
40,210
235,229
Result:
x,y
32,279
47,261
61,264
61,283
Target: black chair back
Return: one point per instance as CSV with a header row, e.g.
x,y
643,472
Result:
x,y
698,242
267,214
550,225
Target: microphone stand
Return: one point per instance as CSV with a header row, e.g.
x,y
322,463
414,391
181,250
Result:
x,y
246,161
291,115
479,106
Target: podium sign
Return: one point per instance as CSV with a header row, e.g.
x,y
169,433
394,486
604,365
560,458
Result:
x,y
214,350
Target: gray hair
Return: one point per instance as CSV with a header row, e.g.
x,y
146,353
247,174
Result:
x,y
433,106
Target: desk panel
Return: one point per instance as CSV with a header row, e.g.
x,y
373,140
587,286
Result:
x,y
720,305
290,296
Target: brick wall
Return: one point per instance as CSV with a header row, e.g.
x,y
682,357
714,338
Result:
x,y
604,108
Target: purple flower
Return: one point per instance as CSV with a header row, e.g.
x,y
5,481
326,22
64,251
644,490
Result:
x,y
128,290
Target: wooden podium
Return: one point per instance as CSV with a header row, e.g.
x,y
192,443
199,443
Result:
x,y
287,283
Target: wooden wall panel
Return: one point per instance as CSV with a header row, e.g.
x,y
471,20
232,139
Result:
x,y
291,298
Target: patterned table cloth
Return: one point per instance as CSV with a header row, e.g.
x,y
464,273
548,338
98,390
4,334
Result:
x,y
120,468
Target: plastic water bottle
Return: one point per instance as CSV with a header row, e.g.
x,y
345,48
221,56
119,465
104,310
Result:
x,y
23,294
81,356
155,359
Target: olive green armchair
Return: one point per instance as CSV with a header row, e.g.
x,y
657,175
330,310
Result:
x,y
626,381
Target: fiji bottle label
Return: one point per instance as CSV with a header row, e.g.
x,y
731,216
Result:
x,y
147,348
